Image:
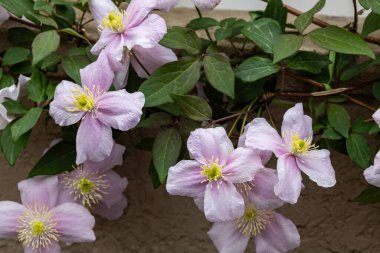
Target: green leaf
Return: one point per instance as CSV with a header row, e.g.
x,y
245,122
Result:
x,y
18,7
193,107
376,90
305,19
371,24
202,23
6,80
263,32
356,70
44,44
360,126
331,134
219,73
25,123
365,3
359,150
173,78
229,27
21,36
286,45
276,10
58,159
42,5
155,120
166,149
154,176
15,55
375,6
14,107
75,34
256,68
339,118
44,20
182,38
307,61
339,40
12,149
51,60
72,65
370,195
36,86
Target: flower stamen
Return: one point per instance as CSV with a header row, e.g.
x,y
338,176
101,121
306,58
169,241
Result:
x,y
113,21
212,171
254,221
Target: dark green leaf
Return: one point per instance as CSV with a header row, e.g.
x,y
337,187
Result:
x,y
6,81
154,176
305,19
72,65
25,123
193,107
331,134
21,36
365,3
18,7
43,20
36,86
182,38
307,61
42,5
75,34
286,45
44,44
376,90
14,107
356,70
157,119
15,55
276,10
359,150
339,118
202,23
370,195
229,27
256,68
51,60
360,126
371,24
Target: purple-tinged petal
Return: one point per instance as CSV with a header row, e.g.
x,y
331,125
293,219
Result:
x,y
206,4
107,37
5,119
223,202
372,174
4,15
10,213
207,145
166,5
290,181
53,248
74,223
148,34
376,117
242,165
114,212
137,12
94,140
121,77
120,109
200,201
295,122
262,136
262,195
116,187
41,190
9,92
101,9
185,179
63,99
317,165
280,236
227,238
151,59
115,159
65,194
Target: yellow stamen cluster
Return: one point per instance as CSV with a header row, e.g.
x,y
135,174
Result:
x,y
301,146
254,221
113,21
82,101
38,228
212,171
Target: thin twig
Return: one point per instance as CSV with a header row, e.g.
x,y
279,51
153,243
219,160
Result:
x,y
355,24
206,30
25,22
246,116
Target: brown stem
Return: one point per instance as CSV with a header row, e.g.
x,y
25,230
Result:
x,y
355,24
25,22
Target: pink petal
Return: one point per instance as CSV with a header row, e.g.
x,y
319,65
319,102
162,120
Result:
x,y
376,117
53,248
120,109
138,10
114,212
74,223
121,77
290,181
317,165
117,186
147,34
106,38
63,99
94,140
262,195
227,238
242,165
200,201
115,159
279,237
372,174
4,15
206,4
207,145
295,122
185,179
151,59
5,119
166,5
223,202
65,195
10,213
101,9
41,190
116,47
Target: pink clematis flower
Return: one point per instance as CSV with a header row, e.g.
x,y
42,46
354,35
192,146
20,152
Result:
x,y
4,15
211,176
295,152
167,5
133,29
97,109
271,231
376,117
372,174
96,186
40,223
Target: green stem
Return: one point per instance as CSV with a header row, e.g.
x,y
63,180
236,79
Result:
x,y
206,30
246,116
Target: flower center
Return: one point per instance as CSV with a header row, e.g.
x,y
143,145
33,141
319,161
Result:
x,y
212,171
301,146
37,228
82,101
113,21
85,185
254,221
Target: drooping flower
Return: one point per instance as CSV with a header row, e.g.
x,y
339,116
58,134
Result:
x,y
4,15
40,223
97,109
372,174
295,152
12,92
271,232
376,117
133,29
96,186
167,5
211,176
